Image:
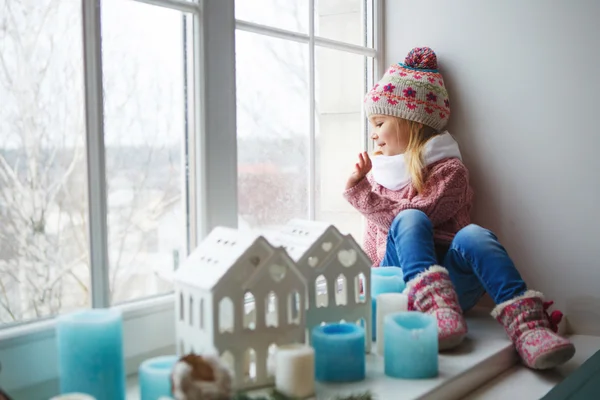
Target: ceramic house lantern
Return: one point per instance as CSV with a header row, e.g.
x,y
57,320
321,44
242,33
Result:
x,y
236,296
336,269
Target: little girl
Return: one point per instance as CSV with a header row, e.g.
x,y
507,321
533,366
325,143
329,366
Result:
x,y
417,201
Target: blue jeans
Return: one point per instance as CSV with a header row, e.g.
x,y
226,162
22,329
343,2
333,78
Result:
x,y
475,260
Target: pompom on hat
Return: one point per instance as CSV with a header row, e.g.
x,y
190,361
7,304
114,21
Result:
x,y
414,90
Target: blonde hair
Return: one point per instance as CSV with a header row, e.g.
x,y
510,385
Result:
x,y
418,135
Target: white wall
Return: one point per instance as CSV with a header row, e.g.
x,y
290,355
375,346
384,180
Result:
x,y
524,87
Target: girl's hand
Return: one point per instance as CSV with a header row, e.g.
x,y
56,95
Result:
x,y
361,169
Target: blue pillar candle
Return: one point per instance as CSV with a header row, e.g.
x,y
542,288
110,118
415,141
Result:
x,y
90,353
339,352
155,377
384,280
410,345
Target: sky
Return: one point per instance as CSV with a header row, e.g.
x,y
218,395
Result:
x,y
272,96
143,72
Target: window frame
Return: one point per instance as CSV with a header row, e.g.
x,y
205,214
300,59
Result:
x,y
373,49
211,192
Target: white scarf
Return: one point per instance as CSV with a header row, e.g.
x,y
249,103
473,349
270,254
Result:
x,y
391,171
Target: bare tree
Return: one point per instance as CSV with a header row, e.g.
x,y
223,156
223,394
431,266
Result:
x,y
44,255
42,151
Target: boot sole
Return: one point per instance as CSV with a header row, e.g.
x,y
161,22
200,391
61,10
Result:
x,y
555,358
451,342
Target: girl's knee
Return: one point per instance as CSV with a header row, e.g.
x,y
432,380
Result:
x,y
474,236
411,218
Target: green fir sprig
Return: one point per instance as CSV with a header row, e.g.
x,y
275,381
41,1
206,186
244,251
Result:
x,y
275,395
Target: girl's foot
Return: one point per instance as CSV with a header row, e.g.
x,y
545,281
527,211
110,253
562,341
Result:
x,y
533,332
432,292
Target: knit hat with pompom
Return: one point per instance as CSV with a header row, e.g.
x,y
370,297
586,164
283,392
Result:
x,y
414,91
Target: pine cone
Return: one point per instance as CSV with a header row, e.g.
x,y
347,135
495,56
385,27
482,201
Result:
x,y
197,377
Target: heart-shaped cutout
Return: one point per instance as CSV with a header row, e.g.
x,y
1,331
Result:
x,y
347,257
277,272
326,246
313,261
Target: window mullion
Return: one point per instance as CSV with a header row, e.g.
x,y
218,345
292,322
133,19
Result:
x,y
191,120
378,38
370,63
346,47
180,5
94,116
271,31
312,182
216,132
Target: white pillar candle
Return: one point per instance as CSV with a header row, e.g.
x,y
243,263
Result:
x,y
388,303
73,396
295,375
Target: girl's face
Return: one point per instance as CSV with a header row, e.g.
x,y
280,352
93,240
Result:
x,y
390,134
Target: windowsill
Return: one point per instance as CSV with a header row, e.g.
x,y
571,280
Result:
x,y
485,354
513,383
520,382
133,388
148,331
25,332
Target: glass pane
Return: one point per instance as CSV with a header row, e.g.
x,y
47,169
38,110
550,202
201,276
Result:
x,y
144,136
340,135
341,20
44,253
291,15
273,128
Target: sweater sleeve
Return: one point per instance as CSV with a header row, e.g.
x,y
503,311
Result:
x,y
370,241
446,191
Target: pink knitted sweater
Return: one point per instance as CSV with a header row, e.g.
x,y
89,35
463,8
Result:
x,y
447,198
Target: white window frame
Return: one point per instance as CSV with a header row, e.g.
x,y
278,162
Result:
x,y
149,327
374,33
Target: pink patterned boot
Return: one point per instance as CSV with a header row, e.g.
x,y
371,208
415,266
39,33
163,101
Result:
x,y
432,292
533,332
